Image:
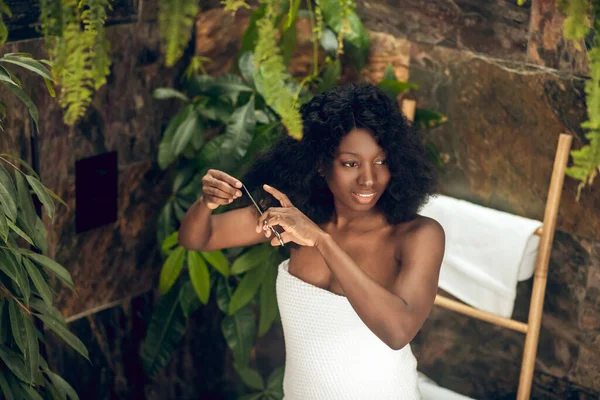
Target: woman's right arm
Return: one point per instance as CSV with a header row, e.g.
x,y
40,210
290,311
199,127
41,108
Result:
x,y
202,231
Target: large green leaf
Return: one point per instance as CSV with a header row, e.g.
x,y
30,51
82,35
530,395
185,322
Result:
x,y
246,67
275,381
166,155
250,376
21,95
268,301
218,261
247,288
3,226
230,86
5,388
188,299
28,63
17,325
10,267
166,329
6,77
63,332
32,349
39,235
8,195
42,195
240,130
25,202
188,128
199,275
20,232
170,241
29,393
38,281
239,331
223,292
14,362
52,265
62,386
171,269
169,93
256,256
49,310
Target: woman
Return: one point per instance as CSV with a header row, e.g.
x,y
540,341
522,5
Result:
x,y
363,268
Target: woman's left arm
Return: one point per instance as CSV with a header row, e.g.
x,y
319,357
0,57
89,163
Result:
x,y
395,317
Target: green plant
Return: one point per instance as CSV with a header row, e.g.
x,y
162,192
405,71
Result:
x,y
25,292
582,22
26,295
78,50
223,123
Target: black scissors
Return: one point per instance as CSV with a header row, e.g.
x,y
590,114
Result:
x,y
261,213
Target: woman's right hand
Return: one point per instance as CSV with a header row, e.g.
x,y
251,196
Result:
x,y
219,188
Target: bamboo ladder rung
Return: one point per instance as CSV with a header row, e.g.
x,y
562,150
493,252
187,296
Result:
x,y
465,309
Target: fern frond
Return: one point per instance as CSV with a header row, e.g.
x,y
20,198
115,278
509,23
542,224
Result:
x,y
576,25
586,161
272,74
93,17
76,76
4,10
347,8
175,20
318,28
233,5
80,58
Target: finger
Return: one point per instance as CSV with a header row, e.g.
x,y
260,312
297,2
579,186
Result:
x,y
270,213
283,199
285,237
225,177
222,185
217,193
217,200
261,219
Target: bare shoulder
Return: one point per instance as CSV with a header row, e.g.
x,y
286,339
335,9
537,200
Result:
x,y
419,234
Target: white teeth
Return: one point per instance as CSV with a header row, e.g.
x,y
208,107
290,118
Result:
x,y
365,195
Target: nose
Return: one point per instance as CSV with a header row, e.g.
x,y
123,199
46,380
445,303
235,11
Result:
x,y
366,177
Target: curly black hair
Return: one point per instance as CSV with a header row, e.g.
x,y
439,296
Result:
x,y
291,166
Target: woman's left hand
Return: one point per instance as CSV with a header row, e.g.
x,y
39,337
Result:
x,y
298,227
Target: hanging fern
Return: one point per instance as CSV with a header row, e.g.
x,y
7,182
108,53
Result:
x,y
93,17
272,74
80,57
347,8
576,26
175,20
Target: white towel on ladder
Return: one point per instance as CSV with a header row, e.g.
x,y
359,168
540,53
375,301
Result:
x,y
487,252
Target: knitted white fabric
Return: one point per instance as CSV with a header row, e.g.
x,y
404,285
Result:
x,y
331,354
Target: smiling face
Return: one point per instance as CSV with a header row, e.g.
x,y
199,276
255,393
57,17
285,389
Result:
x,y
359,174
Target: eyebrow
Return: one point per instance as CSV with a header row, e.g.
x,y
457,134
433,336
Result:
x,y
355,154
